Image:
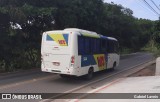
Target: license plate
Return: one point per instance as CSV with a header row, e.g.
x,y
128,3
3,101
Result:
x,y
56,63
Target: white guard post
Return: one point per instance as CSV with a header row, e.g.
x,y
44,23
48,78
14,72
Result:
x,y
157,67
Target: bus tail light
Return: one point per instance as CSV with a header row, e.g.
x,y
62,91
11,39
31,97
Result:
x,y
72,60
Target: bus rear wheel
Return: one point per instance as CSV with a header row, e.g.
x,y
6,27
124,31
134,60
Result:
x,y
90,74
64,76
114,65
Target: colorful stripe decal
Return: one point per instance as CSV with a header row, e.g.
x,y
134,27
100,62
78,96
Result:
x,y
90,35
97,59
87,60
66,38
61,39
49,38
100,61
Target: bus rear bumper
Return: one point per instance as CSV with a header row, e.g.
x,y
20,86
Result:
x,y
70,71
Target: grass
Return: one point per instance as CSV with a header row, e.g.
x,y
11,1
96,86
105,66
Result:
x,y
153,48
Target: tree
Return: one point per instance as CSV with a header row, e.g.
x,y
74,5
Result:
x,y
23,21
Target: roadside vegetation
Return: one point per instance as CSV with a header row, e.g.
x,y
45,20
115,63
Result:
x,y
153,44
23,21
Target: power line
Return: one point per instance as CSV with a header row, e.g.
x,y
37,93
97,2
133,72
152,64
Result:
x,y
140,2
155,4
151,8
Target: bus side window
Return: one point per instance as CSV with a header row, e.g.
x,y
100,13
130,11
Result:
x,y
87,45
103,46
108,48
106,41
94,46
80,45
112,47
116,47
98,46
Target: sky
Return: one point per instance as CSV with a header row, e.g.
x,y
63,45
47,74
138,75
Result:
x,y
139,8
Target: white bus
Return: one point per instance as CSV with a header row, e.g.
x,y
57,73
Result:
x,y
77,52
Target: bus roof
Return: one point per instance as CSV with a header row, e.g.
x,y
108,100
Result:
x,y
79,30
84,33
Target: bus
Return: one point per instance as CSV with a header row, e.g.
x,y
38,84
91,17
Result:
x,y
77,52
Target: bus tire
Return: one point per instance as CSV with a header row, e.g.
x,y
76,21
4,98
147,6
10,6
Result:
x,y
90,73
63,76
114,65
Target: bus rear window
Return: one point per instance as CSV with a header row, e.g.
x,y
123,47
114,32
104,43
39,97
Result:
x,y
57,39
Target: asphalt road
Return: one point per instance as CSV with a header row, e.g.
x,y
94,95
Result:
x,y
35,81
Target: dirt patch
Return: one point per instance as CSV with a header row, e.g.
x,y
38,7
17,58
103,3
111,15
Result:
x,y
147,71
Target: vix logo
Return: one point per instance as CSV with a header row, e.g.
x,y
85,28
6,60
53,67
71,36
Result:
x,y
6,96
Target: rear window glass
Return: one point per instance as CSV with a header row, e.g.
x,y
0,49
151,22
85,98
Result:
x,y
57,39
